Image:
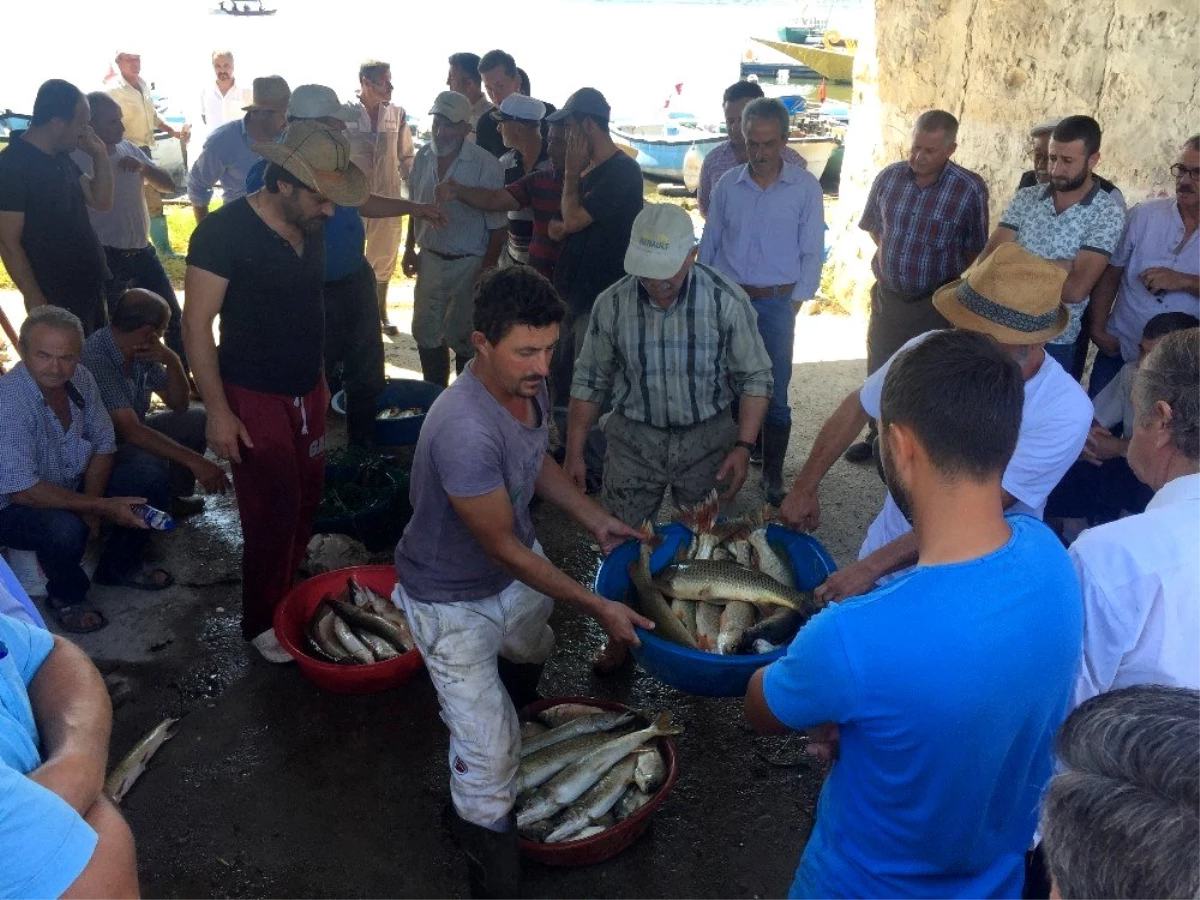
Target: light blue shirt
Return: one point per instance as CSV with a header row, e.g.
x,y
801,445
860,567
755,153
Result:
x,y
767,237
467,229
226,158
14,601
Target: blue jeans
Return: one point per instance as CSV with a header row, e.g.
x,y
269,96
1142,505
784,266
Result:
x,y
142,269
777,325
1104,370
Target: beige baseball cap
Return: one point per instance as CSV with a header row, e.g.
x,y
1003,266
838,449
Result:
x,y
453,105
662,238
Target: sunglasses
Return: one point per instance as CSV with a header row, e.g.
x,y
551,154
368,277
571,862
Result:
x,y
1178,171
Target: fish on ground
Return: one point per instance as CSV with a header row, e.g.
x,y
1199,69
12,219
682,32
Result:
x,y
130,769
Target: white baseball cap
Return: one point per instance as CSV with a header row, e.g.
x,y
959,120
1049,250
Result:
x,y
662,238
315,101
521,108
453,105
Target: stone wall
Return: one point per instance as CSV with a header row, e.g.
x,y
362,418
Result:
x,y
1001,66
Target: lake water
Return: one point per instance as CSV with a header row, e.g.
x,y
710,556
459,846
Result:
x,y
635,52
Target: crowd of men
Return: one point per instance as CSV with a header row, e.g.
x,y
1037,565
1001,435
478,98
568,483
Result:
x,y
951,651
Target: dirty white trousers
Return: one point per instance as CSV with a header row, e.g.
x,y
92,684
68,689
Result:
x,y
460,642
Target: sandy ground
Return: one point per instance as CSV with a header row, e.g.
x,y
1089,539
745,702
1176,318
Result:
x,y
274,788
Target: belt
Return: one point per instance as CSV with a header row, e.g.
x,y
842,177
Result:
x,y
448,257
768,292
122,252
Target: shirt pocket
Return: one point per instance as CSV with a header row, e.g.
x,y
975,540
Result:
x,y
936,234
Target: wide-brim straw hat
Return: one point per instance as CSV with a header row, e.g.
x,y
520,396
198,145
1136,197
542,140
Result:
x,y
320,158
1013,295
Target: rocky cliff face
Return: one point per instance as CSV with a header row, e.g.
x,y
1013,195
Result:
x,y
1001,66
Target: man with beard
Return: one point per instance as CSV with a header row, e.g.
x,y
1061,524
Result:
x,y
1071,221
732,153
47,242
259,263
223,100
452,258
473,580
1013,296
938,694
1155,269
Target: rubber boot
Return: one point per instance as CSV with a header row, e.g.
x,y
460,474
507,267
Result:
x,y
435,365
381,289
860,452
160,239
520,680
775,443
493,858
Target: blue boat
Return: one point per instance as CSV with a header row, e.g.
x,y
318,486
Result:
x,y
661,147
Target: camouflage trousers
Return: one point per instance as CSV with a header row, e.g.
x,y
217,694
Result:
x,y
642,461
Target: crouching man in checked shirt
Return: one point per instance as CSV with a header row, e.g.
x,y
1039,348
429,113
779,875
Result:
x,y
674,343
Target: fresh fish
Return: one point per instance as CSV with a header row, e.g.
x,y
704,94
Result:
x,y
565,712
652,604
538,768
350,641
768,558
531,729
362,620
590,831
778,628
635,798
537,831
130,769
721,554
385,609
596,801
608,820
570,784
605,721
762,647
321,633
720,582
708,626
379,648
650,772
701,520
736,617
685,612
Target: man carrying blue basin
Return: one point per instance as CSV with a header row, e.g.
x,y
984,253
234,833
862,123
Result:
x,y
473,581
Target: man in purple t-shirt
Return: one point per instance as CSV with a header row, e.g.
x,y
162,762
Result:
x,y
474,583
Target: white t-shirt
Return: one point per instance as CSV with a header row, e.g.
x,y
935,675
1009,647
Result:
x,y
1055,420
127,225
217,108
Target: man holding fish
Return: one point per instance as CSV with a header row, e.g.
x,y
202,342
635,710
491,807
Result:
x,y
473,582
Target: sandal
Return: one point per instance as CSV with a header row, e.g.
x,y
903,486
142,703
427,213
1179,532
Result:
x,y
76,618
143,579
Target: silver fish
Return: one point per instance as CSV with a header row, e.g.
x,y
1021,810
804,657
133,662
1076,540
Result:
x,y
130,769
363,620
777,629
596,801
379,648
569,785
651,770
538,768
321,634
590,831
605,721
531,729
736,617
720,582
685,612
770,560
633,800
708,626
565,712
350,641
653,605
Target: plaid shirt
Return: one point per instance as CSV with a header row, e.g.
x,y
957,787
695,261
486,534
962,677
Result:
x,y
678,366
33,444
927,235
120,391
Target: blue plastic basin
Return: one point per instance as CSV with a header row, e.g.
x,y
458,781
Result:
x,y
695,671
404,393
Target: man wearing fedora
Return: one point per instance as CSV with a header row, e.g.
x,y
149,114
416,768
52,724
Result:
x,y
1014,297
259,264
674,343
451,259
229,152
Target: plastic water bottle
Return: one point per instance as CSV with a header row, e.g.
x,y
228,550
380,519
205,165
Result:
x,y
155,518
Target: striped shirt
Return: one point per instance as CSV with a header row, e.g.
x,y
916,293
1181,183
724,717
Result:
x,y
678,366
520,221
719,160
466,232
927,235
119,390
541,192
33,444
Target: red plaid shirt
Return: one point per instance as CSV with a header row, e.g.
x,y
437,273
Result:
x,y
541,192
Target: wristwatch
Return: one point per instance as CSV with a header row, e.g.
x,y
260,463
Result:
x,y
748,446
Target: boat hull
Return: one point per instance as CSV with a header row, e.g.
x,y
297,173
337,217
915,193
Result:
x,y
815,150
665,158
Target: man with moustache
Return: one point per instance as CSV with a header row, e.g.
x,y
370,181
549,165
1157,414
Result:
x,y
453,258
732,153
1070,221
766,232
259,264
928,217
47,242
1155,269
382,147
223,100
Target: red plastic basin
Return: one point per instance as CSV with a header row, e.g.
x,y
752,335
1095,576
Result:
x,y
296,608
612,841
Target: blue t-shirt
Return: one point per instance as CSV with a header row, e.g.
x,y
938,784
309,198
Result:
x,y
46,843
948,684
345,234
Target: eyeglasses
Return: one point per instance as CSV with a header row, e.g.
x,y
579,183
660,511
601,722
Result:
x,y
1178,171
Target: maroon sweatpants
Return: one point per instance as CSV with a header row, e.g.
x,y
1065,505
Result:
x,y
278,484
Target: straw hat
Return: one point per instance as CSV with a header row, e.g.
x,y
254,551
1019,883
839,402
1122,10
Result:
x,y
1013,295
319,157
269,92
